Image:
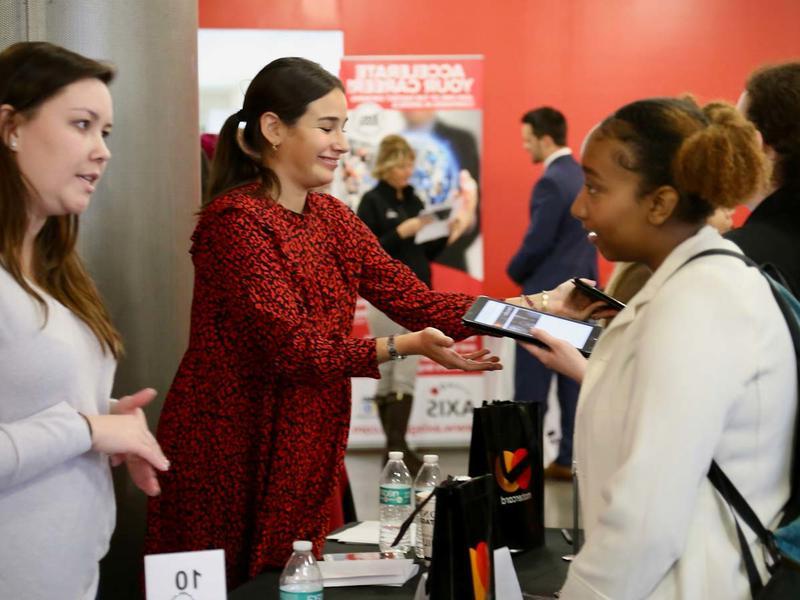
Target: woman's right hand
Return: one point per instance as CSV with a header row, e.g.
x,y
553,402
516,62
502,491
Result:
x,y
559,355
437,346
410,227
126,432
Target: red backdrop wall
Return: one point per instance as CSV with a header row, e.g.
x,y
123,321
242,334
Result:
x,y
584,57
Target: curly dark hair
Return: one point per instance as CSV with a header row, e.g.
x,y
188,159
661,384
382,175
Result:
x,y
710,155
774,107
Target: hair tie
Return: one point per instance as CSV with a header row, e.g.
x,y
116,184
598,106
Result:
x,y
241,115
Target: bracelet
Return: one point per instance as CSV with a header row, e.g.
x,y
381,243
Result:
x,y
392,348
545,299
88,424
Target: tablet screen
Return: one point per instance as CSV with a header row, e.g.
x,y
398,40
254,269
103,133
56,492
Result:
x,y
521,320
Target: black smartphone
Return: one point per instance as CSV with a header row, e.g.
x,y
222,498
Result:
x,y
501,318
597,294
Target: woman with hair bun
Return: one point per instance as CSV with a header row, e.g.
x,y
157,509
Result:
x,y
698,367
256,421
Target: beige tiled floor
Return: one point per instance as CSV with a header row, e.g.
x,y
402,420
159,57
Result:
x,y
364,468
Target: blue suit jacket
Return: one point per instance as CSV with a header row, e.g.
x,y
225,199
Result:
x,y
555,247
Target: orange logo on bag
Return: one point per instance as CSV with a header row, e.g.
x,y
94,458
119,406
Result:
x,y
512,459
479,561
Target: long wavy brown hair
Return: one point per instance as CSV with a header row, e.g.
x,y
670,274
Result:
x,y
30,74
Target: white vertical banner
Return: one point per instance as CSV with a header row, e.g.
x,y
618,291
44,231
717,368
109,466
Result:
x,y
435,102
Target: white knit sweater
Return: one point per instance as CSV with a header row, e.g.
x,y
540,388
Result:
x,y
56,495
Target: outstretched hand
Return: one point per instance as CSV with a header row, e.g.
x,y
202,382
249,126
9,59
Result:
x,y
125,436
558,355
439,348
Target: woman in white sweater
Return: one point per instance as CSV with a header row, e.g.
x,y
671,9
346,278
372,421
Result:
x,y
58,348
698,367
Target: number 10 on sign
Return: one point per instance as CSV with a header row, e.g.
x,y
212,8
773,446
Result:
x,y
185,575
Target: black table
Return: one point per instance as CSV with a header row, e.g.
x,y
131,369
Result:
x,y
540,571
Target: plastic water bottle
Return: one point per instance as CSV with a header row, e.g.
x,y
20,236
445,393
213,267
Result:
x,y
427,479
395,498
301,578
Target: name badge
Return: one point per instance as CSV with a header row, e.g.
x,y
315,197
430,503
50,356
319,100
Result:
x,y
185,575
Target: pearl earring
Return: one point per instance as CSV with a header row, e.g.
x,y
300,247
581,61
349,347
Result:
x,y
12,144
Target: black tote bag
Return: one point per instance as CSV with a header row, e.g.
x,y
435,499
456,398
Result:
x,y
507,444
462,562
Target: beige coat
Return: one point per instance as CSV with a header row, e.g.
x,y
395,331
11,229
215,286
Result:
x,y
699,365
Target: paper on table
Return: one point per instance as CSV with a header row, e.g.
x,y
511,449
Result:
x,y
366,532
367,572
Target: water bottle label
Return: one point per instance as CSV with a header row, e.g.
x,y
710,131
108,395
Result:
x,y
396,496
427,517
301,595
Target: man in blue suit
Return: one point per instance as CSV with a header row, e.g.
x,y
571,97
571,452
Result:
x,y
555,248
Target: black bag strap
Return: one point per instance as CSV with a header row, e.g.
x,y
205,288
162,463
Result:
x,y
774,272
737,502
407,523
739,506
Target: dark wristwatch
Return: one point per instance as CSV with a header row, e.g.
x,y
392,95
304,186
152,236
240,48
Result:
x,y
392,348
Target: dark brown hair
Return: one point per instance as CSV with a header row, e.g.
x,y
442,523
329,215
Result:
x,y
547,121
710,156
30,74
286,87
774,106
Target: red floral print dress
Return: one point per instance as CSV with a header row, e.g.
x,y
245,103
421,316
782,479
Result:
x,y
256,422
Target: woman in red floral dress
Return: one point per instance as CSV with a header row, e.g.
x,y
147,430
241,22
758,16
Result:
x,y
256,421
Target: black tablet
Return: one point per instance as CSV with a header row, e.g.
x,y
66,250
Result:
x,y
501,318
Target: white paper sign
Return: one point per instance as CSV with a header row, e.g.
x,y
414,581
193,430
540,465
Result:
x,y
506,584
185,575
